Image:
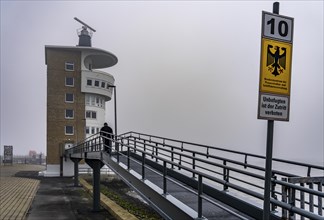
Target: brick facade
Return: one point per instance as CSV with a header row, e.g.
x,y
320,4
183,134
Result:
x,y
56,104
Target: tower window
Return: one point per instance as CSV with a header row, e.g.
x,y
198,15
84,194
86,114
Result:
x,y
103,84
69,130
69,66
69,97
97,83
97,101
69,81
87,130
69,113
91,114
89,82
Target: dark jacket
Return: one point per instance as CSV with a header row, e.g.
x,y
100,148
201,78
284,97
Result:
x,y
106,129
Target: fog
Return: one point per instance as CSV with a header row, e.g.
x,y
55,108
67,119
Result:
x,y
187,70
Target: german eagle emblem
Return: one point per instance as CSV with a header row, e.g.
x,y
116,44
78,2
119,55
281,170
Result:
x,y
276,59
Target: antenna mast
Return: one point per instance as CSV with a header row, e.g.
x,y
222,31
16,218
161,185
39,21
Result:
x,y
84,34
84,24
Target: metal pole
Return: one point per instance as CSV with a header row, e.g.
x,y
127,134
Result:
x,y
76,172
96,185
268,168
268,172
115,103
115,111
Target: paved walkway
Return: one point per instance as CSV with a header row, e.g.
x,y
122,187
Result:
x,y
16,194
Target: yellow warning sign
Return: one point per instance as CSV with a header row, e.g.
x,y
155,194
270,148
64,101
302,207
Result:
x,y
275,70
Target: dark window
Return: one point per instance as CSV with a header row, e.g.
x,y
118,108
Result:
x,y
69,97
69,130
69,113
91,114
87,130
97,83
69,81
103,84
89,82
69,66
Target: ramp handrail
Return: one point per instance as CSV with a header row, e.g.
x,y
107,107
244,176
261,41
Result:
x,y
207,169
207,149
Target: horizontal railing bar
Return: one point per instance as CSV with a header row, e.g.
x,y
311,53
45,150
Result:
x,y
300,188
296,210
210,163
233,151
219,165
221,158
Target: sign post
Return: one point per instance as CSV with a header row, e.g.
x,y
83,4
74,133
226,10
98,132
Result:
x,y
274,87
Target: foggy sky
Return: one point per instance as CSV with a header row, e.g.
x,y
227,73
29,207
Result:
x,y
187,70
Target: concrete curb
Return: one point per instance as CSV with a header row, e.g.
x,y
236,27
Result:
x,y
112,207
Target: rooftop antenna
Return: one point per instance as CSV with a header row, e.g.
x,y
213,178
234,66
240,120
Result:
x,y
84,34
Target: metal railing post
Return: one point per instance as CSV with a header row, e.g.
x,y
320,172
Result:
x,y
117,149
245,161
152,156
164,178
284,191
145,145
292,202
172,157
309,171
135,145
273,193
302,200
200,191
193,164
225,175
320,204
180,158
128,158
311,199
156,153
143,165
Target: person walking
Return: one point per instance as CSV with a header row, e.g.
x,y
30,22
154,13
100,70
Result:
x,y
107,134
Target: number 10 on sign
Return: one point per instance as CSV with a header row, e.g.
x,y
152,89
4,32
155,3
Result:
x,y
277,27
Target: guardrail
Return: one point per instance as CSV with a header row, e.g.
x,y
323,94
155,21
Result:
x,y
239,174
235,173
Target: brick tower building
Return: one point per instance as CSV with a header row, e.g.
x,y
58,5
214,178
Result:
x,y
76,96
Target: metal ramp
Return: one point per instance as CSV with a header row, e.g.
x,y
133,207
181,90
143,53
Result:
x,y
174,187
182,182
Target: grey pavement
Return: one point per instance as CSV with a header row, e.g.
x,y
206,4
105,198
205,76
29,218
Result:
x,y
26,196
58,199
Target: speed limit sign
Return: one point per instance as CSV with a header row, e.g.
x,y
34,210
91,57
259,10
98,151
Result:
x,y
277,27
